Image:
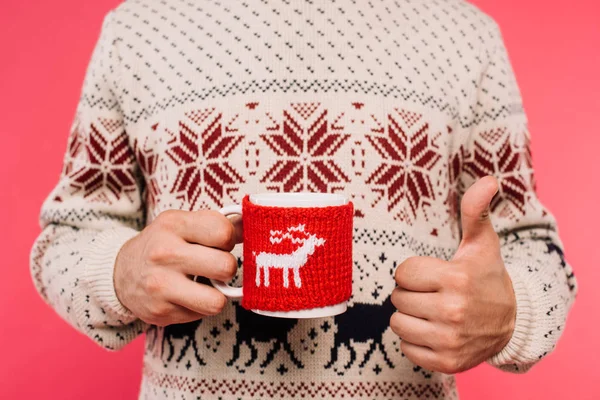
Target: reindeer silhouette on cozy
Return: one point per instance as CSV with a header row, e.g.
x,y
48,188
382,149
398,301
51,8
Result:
x,y
361,323
257,328
294,261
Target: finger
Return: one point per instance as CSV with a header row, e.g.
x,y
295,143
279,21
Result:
x,y
179,315
238,227
193,259
205,227
417,304
475,207
414,330
421,274
420,355
195,296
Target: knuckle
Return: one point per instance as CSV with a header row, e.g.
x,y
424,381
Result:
x,y
456,311
158,310
167,219
223,234
407,269
406,352
207,213
452,339
229,267
159,254
153,284
460,279
395,323
451,365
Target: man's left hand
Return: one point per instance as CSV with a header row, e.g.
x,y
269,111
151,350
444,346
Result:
x,y
453,315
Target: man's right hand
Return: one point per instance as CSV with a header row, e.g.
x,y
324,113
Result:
x,y
154,271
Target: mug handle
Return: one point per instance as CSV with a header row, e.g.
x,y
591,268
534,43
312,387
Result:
x,y
227,290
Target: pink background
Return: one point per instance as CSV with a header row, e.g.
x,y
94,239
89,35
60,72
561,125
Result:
x,y
45,47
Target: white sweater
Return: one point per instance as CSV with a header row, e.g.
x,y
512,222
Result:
x,y
400,104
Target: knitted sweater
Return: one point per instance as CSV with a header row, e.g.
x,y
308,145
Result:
x,y
401,105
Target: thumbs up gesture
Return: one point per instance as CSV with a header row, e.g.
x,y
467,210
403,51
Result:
x,y
453,315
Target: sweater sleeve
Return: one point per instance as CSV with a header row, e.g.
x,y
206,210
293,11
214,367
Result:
x,y
93,210
498,144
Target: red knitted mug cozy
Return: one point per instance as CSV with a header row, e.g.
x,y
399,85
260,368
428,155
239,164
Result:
x,y
296,258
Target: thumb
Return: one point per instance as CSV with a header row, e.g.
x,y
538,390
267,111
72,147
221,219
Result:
x,y
475,214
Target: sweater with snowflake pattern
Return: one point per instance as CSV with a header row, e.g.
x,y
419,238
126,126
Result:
x,y
401,105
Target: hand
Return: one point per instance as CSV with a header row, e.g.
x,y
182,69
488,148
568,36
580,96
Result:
x,y
453,315
154,270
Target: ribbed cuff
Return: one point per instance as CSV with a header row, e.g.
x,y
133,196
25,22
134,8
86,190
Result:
x,y
517,348
99,260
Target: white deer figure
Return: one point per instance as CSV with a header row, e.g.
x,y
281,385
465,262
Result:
x,y
294,261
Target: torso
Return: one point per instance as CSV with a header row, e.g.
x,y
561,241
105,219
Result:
x,y
231,98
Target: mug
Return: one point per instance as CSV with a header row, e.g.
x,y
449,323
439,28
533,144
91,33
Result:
x,y
297,254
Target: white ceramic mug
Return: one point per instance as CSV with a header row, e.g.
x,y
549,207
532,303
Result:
x,y
297,254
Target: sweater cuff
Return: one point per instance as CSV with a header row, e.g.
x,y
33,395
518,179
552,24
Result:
x,y
518,346
99,258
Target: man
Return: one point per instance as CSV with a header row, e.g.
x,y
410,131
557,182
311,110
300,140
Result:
x,y
410,108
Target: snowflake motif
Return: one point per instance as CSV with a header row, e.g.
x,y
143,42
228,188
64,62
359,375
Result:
x,y
305,151
201,152
408,156
75,149
148,161
495,154
109,165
